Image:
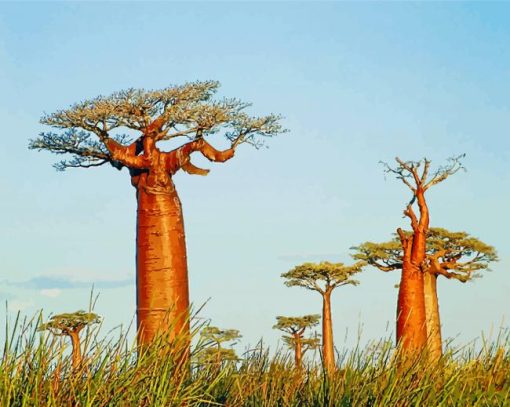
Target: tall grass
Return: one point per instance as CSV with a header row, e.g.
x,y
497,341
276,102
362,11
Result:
x,y
36,370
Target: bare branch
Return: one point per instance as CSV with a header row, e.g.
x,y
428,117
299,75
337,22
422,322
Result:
x,y
454,165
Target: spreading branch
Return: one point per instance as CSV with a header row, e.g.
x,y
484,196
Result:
x,y
89,129
454,255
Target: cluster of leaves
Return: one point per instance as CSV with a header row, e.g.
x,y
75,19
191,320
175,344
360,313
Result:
x,y
461,256
64,324
213,350
295,327
187,110
322,277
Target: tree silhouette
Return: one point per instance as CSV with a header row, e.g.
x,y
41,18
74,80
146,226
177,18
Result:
x,y
92,133
453,255
217,337
324,277
70,325
411,317
295,327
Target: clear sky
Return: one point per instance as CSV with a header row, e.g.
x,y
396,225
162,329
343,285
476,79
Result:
x,y
356,82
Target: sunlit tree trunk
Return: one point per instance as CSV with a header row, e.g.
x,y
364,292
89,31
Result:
x,y
411,326
161,263
327,333
298,351
411,314
434,341
76,349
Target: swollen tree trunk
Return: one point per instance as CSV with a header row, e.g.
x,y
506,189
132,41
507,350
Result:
x,y
76,351
327,333
411,325
434,341
161,265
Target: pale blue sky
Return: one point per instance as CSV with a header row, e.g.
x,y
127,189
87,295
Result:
x,y
356,82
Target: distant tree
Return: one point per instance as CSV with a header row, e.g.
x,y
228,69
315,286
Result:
x,y
411,317
93,133
324,278
295,327
217,353
71,325
453,255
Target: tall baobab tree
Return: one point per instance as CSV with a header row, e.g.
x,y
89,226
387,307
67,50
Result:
x,y
92,132
411,317
324,277
453,255
295,328
71,324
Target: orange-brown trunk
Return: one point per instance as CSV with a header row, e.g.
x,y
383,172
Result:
x,y
298,351
161,264
411,323
76,352
327,333
434,341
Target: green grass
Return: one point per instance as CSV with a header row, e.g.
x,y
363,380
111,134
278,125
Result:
x,y
36,371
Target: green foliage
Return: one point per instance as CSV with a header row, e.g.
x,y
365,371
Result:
x,y
294,325
322,277
213,350
454,254
310,343
187,110
63,324
32,373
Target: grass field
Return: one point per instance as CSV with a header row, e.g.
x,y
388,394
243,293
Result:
x,y
36,371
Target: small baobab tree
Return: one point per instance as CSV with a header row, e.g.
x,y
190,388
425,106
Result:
x,y
216,337
71,324
411,316
323,278
453,255
295,328
93,133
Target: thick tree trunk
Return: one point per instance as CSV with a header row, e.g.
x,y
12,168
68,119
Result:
x,y
411,322
76,351
161,264
434,341
327,333
298,351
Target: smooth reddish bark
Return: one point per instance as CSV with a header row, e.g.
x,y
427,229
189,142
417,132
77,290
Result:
x,y
327,333
411,313
434,340
411,325
161,261
76,348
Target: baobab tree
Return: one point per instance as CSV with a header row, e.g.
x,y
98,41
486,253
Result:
x,y
295,327
71,324
217,353
324,277
411,314
92,134
453,255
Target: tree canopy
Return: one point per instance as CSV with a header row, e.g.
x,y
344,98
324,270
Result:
x,y
215,337
454,255
64,324
98,131
295,327
322,277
